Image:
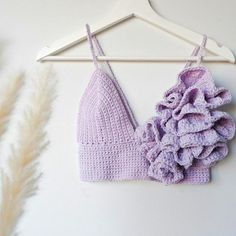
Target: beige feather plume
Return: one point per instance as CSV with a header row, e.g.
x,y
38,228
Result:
x,y
8,98
22,180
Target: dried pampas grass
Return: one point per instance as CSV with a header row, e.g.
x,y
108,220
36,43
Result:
x,y
8,98
22,180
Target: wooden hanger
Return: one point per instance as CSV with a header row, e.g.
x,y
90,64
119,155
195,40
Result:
x,y
141,9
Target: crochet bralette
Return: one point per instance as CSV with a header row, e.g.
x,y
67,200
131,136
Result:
x,y
178,145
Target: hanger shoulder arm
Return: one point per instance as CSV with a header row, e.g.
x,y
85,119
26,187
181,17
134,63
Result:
x,y
80,36
150,16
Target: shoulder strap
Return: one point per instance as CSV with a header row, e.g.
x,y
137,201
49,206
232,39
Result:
x,y
101,52
89,37
198,51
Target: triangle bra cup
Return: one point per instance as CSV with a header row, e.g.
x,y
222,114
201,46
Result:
x,y
178,145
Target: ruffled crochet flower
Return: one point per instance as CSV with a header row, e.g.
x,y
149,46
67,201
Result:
x,y
165,169
160,149
188,130
149,136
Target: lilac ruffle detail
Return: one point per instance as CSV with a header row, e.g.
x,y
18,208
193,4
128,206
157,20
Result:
x,y
188,129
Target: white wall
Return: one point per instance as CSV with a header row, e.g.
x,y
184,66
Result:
x,y
66,206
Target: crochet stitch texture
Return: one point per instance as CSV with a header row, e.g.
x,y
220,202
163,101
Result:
x,y
179,145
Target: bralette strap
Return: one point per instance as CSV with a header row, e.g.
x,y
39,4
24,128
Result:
x,y
101,53
89,37
198,51
201,51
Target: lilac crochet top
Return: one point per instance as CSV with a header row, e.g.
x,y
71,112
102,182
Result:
x,y
186,137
